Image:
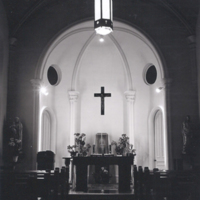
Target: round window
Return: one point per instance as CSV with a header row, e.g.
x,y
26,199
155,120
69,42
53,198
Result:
x,y
52,75
151,75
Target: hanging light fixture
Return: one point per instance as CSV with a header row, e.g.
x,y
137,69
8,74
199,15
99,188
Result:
x,y
103,22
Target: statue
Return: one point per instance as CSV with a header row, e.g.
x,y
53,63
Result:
x,y
187,135
16,131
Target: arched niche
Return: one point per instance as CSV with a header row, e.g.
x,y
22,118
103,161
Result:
x,y
158,143
73,52
47,139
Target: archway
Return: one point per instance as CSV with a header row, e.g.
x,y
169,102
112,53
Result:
x,y
120,65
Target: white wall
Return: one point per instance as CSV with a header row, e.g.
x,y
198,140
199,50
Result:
x,y
117,64
100,67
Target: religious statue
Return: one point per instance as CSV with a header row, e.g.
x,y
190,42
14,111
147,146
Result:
x,y
187,135
16,131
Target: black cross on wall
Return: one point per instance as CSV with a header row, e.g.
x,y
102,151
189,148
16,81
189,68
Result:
x,y
102,95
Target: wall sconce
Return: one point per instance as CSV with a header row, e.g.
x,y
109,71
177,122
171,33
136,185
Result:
x,y
44,91
159,89
103,22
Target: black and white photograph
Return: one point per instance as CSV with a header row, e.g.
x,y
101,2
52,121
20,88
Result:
x,y
99,100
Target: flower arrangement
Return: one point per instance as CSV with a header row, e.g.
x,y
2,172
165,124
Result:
x,y
123,146
85,149
80,138
71,148
80,144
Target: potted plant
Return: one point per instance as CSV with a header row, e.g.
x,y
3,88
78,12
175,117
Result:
x,y
80,143
122,147
85,149
80,140
72,150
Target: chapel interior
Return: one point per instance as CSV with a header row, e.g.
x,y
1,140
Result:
x,y
64,84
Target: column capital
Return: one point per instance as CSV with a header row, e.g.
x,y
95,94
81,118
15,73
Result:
x,y
130,95
166,82
36,83
73,95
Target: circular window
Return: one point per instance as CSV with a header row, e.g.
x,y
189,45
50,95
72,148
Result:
x,y
151,75
53,75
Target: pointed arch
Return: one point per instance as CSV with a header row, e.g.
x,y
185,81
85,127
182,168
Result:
x,y
48,131
157,139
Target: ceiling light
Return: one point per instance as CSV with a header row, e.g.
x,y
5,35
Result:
x,y
103,22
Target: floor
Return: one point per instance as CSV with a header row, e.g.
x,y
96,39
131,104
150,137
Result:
x,y
101,189
101,192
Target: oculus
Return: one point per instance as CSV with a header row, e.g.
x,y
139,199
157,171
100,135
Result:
x,y
150,75
53,75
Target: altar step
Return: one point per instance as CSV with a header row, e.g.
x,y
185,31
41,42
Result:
x,y
101,192
101,196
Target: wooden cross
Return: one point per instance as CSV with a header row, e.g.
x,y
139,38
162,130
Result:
x,y
102,95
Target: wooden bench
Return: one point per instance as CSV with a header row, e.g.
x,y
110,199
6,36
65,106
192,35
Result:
x,y
27,185
170,185
153,184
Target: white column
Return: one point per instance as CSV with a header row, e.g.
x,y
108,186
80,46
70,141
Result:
x,y
167,144
73,96
36,83
130,98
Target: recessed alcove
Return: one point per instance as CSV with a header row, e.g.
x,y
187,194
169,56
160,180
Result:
x,y
117,64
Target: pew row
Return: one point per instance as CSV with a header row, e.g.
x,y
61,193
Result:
x,y
34,185
170,185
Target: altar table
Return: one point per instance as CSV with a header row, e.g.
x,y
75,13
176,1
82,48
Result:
x,y
81,163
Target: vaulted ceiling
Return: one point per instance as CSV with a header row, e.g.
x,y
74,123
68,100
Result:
x,y
19,11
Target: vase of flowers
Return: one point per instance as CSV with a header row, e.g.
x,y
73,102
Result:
x,y
72,150
80,143
122,147
85,149
131,151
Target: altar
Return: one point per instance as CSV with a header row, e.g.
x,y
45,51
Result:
x,y
124,167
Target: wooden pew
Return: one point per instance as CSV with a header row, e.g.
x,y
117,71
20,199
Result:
x,y
170,185
51,185
7,182
142,182
151,184
147,182
135,180
162,188
30,185
184,185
